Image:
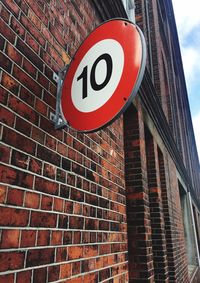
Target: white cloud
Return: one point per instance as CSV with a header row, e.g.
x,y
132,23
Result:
x,y
196,123
187,16
191,59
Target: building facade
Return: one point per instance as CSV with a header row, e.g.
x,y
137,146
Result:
x,y
118,205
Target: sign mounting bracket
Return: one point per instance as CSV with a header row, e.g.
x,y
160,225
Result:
x,y
57,117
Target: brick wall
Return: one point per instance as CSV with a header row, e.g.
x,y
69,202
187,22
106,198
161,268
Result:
x,y
62,193
156,241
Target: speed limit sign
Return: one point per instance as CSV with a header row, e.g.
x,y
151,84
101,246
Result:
x,y
104,75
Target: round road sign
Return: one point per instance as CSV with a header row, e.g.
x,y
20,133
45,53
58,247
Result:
x,y
104,75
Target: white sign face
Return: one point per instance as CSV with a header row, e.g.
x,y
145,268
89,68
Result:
x,y
97,75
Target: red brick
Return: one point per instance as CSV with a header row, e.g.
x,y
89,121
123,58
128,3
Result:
x,y
10,239
63,221
15,177
46,203
6,31
43,238
24,277
48,155
27,96
28,238
27,81
32,200
39,275
58,204
23,126
77,237
56,238
3,193
48,126
2,42
33,19
76,268
40,257
8,278
49,99
29,68
12,7
5,15
53,273
75,252
41,107
9,83
23,109
17,140
13,54
31,42
50,142
90,251
27,52
11,260
24,7
43,81
43,219
65,270
38,135
19,159
7,117
67,237
4,153
3,96
13,217
17,27
61,254
15,197
33,31
6,64
46,186
36,9
35,165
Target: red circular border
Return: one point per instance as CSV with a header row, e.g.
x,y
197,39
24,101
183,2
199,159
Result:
x,y
127,34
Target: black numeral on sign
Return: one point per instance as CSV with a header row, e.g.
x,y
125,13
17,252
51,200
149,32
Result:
x,y
84,75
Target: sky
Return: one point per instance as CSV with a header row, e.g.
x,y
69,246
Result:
x,y
188,23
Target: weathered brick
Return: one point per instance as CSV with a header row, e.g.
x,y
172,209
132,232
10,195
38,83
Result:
x,y
13,54
4,153
16,177
53,273
29,68
48,155
7,32
46,186
32,200
43,219
11,260
6,64
40,275
15,197
9,83
27,81
19,159
12,7
10,239
39,257
23,109
17,27
28,238
13,217
24,276
32,56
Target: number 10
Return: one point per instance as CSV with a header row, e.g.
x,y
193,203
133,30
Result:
x,y
94,84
